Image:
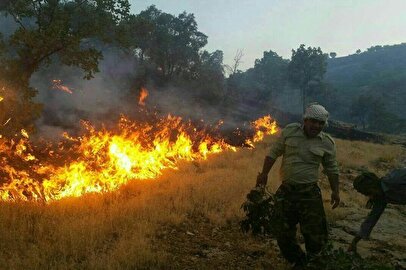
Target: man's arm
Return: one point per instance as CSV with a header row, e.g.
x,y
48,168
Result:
x,y
369,223
372,218
277,149
262,177
330,167
335,192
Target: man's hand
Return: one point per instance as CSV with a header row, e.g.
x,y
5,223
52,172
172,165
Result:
x,y
262,179
335,199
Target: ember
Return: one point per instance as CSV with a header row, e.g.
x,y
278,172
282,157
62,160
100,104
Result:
x,y
57,84
143,96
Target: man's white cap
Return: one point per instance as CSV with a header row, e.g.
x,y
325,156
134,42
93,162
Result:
x,y
317,112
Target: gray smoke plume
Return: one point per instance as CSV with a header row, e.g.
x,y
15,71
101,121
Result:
x,y
99,100
112,91
7,25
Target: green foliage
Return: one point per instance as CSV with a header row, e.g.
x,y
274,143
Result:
x,y
63,28
209,77
256,88
271,72
47,28
378,72
373,115
261,213
306,70
169,50
171,43
363,107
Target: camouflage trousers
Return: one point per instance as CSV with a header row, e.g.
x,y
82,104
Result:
x,y
300,204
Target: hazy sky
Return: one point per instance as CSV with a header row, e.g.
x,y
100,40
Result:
x,y
255,26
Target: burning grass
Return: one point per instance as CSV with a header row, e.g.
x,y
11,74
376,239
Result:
x,y
103,160
135,227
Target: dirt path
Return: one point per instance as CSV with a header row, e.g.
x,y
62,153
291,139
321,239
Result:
x,y
203,246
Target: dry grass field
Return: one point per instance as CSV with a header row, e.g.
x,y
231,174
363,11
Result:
x,y
185,219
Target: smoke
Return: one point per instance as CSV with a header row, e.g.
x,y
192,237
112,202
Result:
x,y
99,100
114,91
68,99
7,24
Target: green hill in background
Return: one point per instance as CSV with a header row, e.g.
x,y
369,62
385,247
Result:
x,y
379,72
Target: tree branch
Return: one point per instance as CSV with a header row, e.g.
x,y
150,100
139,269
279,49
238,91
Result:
x,y
36,63
16,19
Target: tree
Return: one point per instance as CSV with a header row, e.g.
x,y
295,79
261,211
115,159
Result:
x,y
233,69
48,30
382,120
210,77
171,43
333,55
271,71
306,70
362,108
371,112
251,93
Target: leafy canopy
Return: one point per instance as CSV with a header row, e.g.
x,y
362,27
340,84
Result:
x,y
66,29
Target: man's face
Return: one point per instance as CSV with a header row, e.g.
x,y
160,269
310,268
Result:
x,y
313,127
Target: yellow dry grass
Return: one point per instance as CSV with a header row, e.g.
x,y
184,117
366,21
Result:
x,y
120,230
374,157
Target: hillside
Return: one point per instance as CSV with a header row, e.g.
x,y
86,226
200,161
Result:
x,y
188,219
379,71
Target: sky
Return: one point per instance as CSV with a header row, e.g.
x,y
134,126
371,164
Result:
x,y
255,26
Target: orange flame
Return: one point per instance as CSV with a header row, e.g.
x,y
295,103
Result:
x,y
143,96
57,84
103,160
262,126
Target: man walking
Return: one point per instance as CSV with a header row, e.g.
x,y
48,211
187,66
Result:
x,y
303,148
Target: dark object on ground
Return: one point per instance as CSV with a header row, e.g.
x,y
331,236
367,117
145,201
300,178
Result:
x,y
260,211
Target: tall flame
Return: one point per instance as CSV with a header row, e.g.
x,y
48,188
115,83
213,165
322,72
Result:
x,y
103,160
